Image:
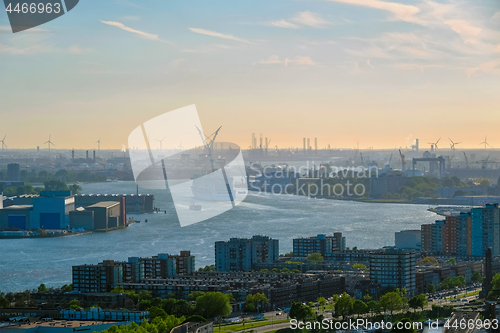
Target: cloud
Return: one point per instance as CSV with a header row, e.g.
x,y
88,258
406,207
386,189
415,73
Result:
x,y
464,29
284,24
40,48
138,32
275,60
496,16
306,18
219,35
486,67
400,11
310,19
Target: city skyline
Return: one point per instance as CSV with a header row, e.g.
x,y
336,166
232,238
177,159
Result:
x,y
380,73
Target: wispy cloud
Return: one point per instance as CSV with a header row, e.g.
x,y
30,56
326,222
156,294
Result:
x,y
311,19
40,48
400,11
135,31
307,18
284,24
220,35
299,60
487,67
464,29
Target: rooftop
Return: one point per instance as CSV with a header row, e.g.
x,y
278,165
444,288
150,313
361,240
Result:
x,y
105,204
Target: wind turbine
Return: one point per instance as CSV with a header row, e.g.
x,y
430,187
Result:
x,y
435,144
49,143
485,142
3,143
453,144
160,141
99,144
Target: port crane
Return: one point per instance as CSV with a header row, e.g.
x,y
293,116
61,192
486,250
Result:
x,y
403,161
466,161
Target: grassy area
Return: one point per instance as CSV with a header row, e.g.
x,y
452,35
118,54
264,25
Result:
x,y
248,325
472,293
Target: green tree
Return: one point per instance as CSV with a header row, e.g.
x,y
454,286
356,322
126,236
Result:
x,y
359,307
374,307
344,305
155,311
451,261
430,288
74,304
477,277
118,290
315,257
256,301
359,266
391,301
322,302
213,304
4,302
42,288
301,312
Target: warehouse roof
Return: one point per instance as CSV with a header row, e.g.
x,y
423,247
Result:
x,y
105,204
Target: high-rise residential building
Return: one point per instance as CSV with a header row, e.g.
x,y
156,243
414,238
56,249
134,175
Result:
x,y
450,245
338,242
477,244
426,243
491,228
437,237
464,234
238,254
394,267
184,263
302,247
97,278
13,172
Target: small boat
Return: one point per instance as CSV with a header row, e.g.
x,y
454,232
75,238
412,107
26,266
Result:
x,y
194,206
137,221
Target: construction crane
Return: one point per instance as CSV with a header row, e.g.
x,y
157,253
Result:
x,y
362,162
390,159
403,162
466,161
209,144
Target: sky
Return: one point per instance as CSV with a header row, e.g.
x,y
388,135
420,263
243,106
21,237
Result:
x,y
371,73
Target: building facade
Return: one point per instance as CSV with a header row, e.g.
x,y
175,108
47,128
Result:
x,y
238,254
394,267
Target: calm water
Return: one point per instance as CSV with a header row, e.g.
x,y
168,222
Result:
x,y
25,263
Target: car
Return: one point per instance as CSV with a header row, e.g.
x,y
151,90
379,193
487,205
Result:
x,y
464,299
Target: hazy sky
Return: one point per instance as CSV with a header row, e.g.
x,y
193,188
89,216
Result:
x,y
370,71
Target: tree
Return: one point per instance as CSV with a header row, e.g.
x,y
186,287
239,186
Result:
x,y
42,288
256,301
321,301
373,307
315,257
301,312
4,302
431,288
155,311
391,301
429,261
118,290
74,304
344,305
451,261
477,277
213,304
359,307
359,266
